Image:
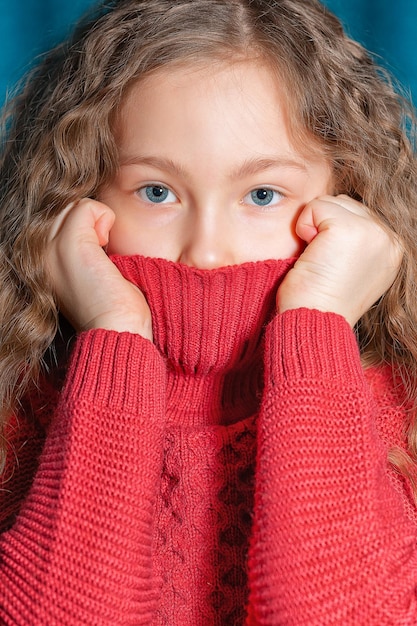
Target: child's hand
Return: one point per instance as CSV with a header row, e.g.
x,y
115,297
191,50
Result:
x,y
91,291
349,262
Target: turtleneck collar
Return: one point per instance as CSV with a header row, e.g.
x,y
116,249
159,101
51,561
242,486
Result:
x,y
208,324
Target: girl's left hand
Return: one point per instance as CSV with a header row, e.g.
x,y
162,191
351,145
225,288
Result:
x,y
349,262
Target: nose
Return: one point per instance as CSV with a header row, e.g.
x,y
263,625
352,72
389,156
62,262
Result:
x,y
209,241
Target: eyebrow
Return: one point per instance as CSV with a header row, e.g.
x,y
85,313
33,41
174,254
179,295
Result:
x,y
247,168
153,161
256,165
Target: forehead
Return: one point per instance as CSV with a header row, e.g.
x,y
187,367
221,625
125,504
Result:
x,y
212,112
204,84
223,97
180,76
188,83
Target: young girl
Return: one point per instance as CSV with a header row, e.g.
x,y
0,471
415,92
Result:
x,y
218,197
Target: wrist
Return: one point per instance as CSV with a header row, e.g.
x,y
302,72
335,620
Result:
x,y
134,324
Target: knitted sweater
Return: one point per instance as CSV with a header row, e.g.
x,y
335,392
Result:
x,y
233,472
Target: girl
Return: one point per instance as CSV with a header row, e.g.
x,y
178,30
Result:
x,y
218,197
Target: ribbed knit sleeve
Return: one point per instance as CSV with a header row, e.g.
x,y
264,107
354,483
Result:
x,y
332,543
80,549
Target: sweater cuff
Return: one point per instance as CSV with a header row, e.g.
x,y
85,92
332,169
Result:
x,y
108,368
306,343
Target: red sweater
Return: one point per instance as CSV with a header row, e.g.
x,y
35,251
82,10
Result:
x,y
234,472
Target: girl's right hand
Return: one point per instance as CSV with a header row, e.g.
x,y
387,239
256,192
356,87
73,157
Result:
x,y
91,291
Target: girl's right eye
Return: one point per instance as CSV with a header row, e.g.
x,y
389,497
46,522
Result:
x,y
156,194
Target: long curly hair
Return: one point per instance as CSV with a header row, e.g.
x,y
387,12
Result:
x,y
58,146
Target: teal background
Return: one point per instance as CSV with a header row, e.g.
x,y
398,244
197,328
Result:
x,y
386,27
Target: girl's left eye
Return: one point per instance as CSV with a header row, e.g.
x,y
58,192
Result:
x,y
156,194
263,196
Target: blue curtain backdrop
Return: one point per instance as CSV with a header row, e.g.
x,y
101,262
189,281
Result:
x,y
387,28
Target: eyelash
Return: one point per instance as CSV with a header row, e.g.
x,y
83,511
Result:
x,y
165,192
163,195
263,202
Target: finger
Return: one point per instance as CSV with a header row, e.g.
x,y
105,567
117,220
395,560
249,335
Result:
x,y
89,214
103,226
351,205
305,227
312,218
321,212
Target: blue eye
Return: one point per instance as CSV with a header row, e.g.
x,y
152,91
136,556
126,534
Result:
x,y
156,194
263,196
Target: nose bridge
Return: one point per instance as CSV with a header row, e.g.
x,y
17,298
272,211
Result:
x,y
209,243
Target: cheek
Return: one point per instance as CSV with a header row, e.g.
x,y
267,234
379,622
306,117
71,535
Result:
x,y
282,240
124,238
131,237
298,244
298,247
288,246
276,242
117,244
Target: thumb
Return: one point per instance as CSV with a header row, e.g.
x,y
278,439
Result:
x,y
305,227
103,225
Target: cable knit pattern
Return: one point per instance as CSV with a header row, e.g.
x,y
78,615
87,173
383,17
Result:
x,y
234,473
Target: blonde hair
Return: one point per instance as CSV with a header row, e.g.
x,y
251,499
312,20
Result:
x,y
58,146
